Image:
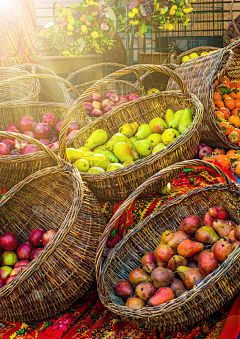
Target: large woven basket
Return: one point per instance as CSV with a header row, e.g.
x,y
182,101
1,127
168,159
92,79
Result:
x,y
24,89
17,167
232,31
177,60
199,75
51,90
52,198
117,185
213,292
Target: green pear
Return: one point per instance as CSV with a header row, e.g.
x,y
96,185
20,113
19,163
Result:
x,y
118,137
143,147
99,160
185,121
113,167
158,148
155,139
165,189
129,143
175,121
82,165
96,170
126,163
102,147
123,152
169,116
135,155
143,132
108,154
84,149
157,125
97,138
169,136
87,156
129,129
74,154
133,140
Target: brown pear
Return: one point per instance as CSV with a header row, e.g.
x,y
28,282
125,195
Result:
x,y
161,277
135,303
221,250
148,268
190,224
235,245
224,227
137,276
175,261
163,295
191,276
177,238
163,254
166,236
231,236
188,248
124,289
206,235
147,258
178,287
237,233
198,256
207,264
145,290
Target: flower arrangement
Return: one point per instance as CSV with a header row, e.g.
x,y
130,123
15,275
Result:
x,y
166,13
82,29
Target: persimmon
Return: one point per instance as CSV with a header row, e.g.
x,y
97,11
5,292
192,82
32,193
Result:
x,y
225,128
217,96
237,103
209,158
219,103
234,165
223,160
230,103
226,96
234,136
236,112
214,107
226,112
234,157
237,170
235,93
216,83
235,84
224,78
231,152
220,115
234,120
218,89
219,151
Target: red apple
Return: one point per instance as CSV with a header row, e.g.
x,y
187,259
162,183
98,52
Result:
x,y
3,149
107,109
35,253
20,144
107,95
44,141
27,124
11,278
96,96
200,146
58,126
72,126
11,126
30,149
23,262
123,99
48,236
132,97
107,103
17,270
55,145
54,138
8,241
88,107
24,251
114,98
43,130
96,104
96,113
16,152
2,282
30,134
9,258
50,118
35,237
5,272
9,143
71,135
14,131
89,99
205,151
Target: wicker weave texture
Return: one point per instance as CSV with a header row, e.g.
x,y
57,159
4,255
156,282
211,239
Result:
x,y
232,31
177,60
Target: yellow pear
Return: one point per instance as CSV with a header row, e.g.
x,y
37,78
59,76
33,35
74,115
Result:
x,y
152,90
123,152
96,170
84,149
99,160
82,165
113,167
97,138
185,58
193,55
74,154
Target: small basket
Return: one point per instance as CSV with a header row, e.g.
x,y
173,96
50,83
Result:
x,y
24,90
52,198
118,184
199,74
211,294
178,59
51,90
232,31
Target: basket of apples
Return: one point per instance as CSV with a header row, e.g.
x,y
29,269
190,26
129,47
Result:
x,y
170,121
181,263
41,121
50,229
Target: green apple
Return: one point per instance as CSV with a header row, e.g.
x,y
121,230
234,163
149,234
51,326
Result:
x,y
158,148
99,160
82,165
96,170
143,147
169,135
113,167
155,139
74,154
185,58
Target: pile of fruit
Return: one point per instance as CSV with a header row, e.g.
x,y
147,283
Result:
x,y
47,132
226,105
132,143
192,56
192,253
15,257
96,106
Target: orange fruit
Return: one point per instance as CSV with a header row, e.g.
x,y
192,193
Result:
x,y
234,165
224,79
219,103
237,102
225,111
231,152
235,93
234,136
223,160
219,151
236,112
217,96
234,120
237,170
230,103
226,96
235,84
220,115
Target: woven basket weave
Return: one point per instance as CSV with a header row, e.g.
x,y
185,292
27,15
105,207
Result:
x,y
213,292
24,90
232,31
177,60
52,198
117,185
199,75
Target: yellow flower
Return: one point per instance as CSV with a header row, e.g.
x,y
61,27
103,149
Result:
x,y
163,11
172,12
64,10
71,22
69,33
70,28
170,27
188,10
135,10
131,15
135,23
84,28
174,7
161,27
94,35
131,22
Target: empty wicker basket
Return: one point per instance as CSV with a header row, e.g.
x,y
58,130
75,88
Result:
x,y
211,294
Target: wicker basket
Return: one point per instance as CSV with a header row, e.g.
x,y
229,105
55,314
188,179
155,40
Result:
x,y
51,90
199,75
177,60
117,185
232,31
213,292
52,198
24,90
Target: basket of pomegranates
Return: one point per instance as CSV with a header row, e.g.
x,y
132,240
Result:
x,y
24,90
111,94
41,121
206,75
51,224
116,156
181,263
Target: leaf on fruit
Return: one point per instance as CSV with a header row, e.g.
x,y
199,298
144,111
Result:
x,y
224,89
144,28
133,4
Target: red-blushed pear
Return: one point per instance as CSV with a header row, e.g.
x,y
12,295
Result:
x,y
5,272
148,258
192,264
218,212
3,149
149,267
198,255
175,261
177,238
235,245
188,248
137,276
190,224
135,303
207,264
35,237
11,278
145,290
224,227
163,295
48,236
166,236
237,233
208,220
206,235
27,123
221,250
161,277
8,241
124,289
36,252
190,276
163,254
231,236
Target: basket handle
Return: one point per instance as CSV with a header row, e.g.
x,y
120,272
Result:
x,y
233,21
79,102
224,69
54,9
30,140
156,177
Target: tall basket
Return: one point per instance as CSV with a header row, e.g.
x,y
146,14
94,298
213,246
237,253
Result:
x,y
232,31
210,295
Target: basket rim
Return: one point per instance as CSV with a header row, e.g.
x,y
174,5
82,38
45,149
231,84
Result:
x,y
208,49
183,299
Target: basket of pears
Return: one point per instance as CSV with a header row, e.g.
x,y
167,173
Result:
x,y
123,148
181,263
192,54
